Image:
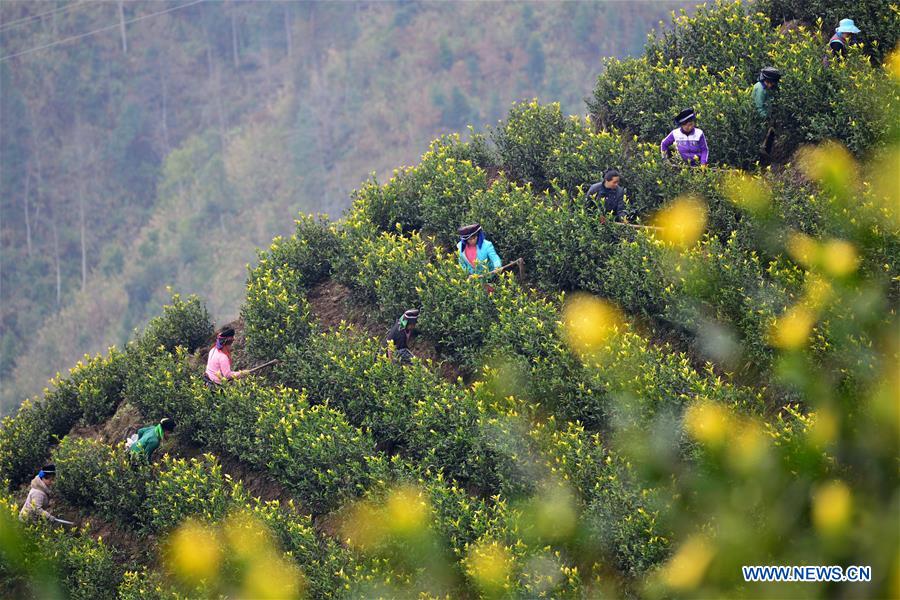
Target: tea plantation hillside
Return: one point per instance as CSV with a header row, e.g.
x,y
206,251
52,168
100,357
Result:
x,y
652,407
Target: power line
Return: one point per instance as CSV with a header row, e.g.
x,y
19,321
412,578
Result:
x,y
4,26
102,29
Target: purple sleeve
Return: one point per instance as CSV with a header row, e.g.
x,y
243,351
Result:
x,y
666,143
704,150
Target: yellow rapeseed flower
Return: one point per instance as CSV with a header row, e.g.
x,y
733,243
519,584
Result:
x,y
839,258
682,222
892,63
407,511
194,553
832,505
708,422
686,568
364,526
272,577
489,565
791,330
830,164
588,322
747,192
747,448
803,249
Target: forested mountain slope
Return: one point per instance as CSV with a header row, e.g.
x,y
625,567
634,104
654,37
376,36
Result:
x,y
648,410
165,154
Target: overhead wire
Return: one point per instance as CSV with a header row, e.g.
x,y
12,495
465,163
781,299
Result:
x,y
100,30
58,9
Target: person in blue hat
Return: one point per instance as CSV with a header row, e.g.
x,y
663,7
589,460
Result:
x,y
843,36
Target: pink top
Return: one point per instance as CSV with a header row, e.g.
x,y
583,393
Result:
x,y
218,366
471,253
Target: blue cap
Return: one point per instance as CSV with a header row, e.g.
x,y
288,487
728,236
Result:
x,y
847,26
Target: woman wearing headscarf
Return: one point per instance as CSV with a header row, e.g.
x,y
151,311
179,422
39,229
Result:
x,y
477,255
218,365
38,499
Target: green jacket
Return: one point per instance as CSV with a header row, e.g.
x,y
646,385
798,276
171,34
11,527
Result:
x,y
149,439
760,97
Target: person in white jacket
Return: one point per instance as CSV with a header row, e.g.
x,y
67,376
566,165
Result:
x,y
38,499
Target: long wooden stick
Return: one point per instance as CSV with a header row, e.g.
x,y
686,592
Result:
x,y
518,261
262,366
636,226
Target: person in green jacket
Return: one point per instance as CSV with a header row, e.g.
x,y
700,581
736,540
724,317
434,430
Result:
x,y
762,90
150,437
762,101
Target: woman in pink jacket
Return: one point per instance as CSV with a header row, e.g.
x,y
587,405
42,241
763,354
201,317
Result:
x,y
218,365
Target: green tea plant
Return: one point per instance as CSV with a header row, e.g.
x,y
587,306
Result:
x,y
103,478
525,140
275,309
183,323
183,488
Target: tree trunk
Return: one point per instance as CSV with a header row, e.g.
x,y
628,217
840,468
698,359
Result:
x,y
79,137
56,256
83,235
122,27
28,213
165,112
287,33
234,39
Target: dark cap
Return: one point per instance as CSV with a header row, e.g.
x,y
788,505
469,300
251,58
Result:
x,y
770,74
412,315
228,332
469,230
167,424
685,116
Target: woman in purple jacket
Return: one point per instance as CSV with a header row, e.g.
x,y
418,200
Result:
x,y
688,139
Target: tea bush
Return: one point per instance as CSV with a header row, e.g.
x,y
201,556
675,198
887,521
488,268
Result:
x,y
275,309
320,559
351,372
101,384
725,34
505,212
446,190
385,272
879,24
167,386
623,521
93,475
187,488
87,568
309,252
456,309
525,140
724,113
433,194
183,323
24,442
315,453
580,156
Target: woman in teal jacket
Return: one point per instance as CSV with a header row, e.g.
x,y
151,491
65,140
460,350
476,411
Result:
x,y
476,255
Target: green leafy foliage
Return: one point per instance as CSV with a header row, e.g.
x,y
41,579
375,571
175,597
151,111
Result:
x,y
275,309
183,488
184,323
104,478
